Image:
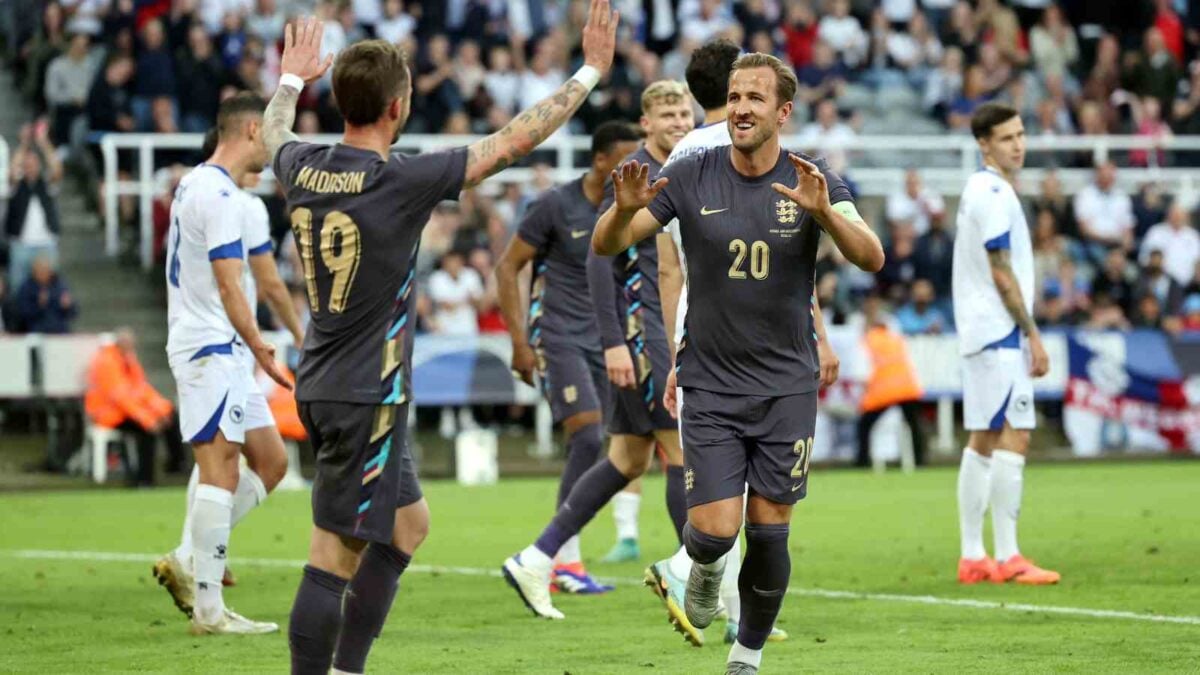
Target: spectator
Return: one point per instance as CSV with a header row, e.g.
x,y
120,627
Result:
x,y
457,294
397,25
1154,71
435,93
892,382
899,267
43,301
1190,321
974,94
1104,213
920,315
1113,280
707,21
1050,249
542,77
1154,281
119,397
961,30
1105,74
1149,124
800,34
1053,200
68,79
1055,49
31,224
468,76
844,34
155,74
934,260
828,136
1051,311
1106,314
1002,30
1177,240
996,71
914,206
109,104
490,318
1170,27
944,85
1150,315
47,43
8,313
822,79
1193,285
266,22
202,70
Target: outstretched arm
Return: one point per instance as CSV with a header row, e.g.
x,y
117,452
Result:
x,y
300,63
528,129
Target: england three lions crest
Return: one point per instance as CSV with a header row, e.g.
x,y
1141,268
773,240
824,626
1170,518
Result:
x,y
786,211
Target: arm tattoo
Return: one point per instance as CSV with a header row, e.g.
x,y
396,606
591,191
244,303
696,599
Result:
x,y
278,120
1010,290
520,136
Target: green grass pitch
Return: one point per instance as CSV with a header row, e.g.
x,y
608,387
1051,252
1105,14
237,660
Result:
x,y
1126,537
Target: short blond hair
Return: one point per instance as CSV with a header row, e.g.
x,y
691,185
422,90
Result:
x,y
667,92
785,80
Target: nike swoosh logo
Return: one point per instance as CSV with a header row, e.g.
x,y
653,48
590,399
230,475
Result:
x,y
767,594
575,234
796,487
705,211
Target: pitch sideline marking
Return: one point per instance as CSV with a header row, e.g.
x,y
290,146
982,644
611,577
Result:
x,y
101,556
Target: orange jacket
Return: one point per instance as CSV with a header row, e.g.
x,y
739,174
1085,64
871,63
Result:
x,y
893,379
118,391
287,416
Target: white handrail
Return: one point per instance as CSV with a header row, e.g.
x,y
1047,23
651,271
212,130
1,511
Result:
x,y
954,157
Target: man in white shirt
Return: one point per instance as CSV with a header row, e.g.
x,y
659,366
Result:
x,y
1001,350
1104,213
31,223
456,291
1178,241
828,136
915,206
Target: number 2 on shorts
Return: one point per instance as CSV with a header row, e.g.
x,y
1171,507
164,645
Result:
x,y
803,451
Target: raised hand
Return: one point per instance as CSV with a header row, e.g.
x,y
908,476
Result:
x,y
600,36
302,50
811,192
632,188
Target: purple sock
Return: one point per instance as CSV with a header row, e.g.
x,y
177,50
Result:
x,y
583,448
368,599
316,621
591,492
762,582
676,499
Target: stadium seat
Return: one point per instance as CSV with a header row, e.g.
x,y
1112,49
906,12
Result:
x,y
98,439
475,457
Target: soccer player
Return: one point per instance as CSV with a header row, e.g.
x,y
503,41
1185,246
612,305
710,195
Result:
x,y
562,343
266,459
747,365
357,211
624,292
708,79
211,335
1001,348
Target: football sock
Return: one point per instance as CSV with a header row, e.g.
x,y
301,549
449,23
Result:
x,y
742,654
591,492
676,499
569,552
184,551
210,533
315,622
583,449
706,550
730,594
974,478
250,493
1008,470
763,582
367,602
680,564
625,514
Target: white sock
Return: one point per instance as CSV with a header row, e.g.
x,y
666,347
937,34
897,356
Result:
x,y
183,552
1008,469
211,516
729,581
569,553
626,506
250,493
974,476
533,558
680,564
740,654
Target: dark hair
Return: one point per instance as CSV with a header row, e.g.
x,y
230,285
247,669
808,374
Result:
x,y
607,135
238,105
210,143
366,77
708,72
989,116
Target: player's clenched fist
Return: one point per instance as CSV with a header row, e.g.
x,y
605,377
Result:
x,y
600,36
632,188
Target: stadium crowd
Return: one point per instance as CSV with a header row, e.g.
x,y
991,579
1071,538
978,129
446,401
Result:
x,y
1106,258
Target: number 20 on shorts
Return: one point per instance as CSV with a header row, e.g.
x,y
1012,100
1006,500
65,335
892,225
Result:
x,y
803,451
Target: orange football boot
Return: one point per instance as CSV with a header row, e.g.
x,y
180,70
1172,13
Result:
x,y
1023,571
975,571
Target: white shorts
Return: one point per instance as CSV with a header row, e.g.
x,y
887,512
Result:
x,y
219,392
997,387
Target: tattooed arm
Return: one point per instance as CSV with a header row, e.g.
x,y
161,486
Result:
x,y
528,129
278,120
1010,295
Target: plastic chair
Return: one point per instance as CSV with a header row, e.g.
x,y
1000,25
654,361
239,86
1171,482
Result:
x,y
98,439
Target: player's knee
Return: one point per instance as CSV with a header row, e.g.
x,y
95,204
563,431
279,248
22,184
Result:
x,y
412,527
705,548
630,454
272,470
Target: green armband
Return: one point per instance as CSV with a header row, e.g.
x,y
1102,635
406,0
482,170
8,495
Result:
x,y
847,210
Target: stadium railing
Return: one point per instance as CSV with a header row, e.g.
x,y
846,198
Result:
x,y
876,164
4,159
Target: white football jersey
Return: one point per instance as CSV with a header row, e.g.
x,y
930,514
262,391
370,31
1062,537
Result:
x,y
256,237
989,216
207,222
697,140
